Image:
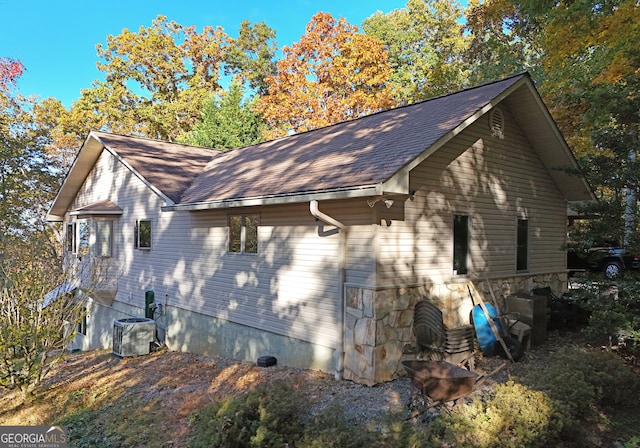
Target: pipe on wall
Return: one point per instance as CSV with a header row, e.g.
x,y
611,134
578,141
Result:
x,y
342,260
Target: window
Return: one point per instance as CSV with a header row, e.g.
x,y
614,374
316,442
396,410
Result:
x,y
243,234
82,324
460,244
71,237
143,234
104,237
522,245
83,238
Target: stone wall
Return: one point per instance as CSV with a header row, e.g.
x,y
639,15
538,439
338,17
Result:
x,y
378,331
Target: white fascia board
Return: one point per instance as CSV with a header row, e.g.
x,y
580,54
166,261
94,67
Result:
x,y
365,191
95,213
397,184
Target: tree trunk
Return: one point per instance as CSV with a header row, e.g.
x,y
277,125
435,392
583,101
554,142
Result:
x,y
630,208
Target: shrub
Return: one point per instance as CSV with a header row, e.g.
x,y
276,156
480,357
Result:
x,y
329,429
265,417
579,378
513,415
612,307
279,416
583,376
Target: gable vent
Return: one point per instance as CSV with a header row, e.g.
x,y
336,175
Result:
x,y
496,123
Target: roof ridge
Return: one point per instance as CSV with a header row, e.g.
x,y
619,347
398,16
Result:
x,y
391,109
395,108
154,140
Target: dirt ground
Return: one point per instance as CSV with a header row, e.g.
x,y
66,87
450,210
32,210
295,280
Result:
x,y
170,387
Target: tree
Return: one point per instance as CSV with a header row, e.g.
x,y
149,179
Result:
x,y
10,71
426,45
585,60
592,80
158,78
59,132
27,182
503,41
174,68
252,54
332,74
227,122
37,317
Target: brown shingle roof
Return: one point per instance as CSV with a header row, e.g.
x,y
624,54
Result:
x,y
357,153
170,167
105,207
352,158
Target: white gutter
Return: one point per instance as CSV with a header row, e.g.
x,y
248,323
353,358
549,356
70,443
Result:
x,y
287,198
342,260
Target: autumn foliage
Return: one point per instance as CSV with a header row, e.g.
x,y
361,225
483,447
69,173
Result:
x,y
331,75
10,71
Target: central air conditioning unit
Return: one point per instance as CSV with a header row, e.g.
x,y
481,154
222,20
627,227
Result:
x,y
133,336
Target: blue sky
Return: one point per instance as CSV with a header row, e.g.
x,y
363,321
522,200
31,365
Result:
x,y
56,40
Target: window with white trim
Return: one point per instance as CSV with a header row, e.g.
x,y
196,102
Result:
x,y
143,234
83,237
104,238
243,233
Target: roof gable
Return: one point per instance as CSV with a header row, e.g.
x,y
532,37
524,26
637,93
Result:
x,y
169,167
166,168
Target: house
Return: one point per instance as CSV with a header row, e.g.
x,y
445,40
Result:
x,y
314,248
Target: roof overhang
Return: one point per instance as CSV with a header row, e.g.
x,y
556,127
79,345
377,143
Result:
x,y
82,165
544,135
541,131
101,208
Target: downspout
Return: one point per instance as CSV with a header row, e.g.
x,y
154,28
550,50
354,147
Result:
x,y
342,262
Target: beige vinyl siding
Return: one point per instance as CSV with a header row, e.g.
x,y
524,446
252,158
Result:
x,y
290,287
110,179
361,238
495,182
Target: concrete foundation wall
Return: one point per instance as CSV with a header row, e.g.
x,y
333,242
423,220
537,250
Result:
x,y
188,331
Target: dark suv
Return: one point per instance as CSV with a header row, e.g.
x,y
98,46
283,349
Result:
x,y
611,261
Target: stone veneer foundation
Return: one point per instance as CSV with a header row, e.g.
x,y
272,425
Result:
x,y
378,331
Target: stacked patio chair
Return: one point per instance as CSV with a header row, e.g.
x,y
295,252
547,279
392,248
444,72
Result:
x,y
437,342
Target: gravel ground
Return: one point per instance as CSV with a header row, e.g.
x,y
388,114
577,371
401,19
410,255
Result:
x,y
363,405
